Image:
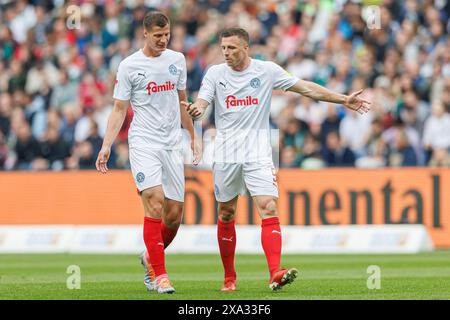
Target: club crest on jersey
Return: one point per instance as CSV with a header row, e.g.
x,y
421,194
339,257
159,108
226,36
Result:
x,y
231,101
173,70
140,177
255,83
152,87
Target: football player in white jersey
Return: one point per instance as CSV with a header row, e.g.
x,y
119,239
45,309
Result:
x,y
153,79
241,90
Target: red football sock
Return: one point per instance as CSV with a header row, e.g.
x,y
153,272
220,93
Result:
x,y
168,234
271,242
155,245
226,236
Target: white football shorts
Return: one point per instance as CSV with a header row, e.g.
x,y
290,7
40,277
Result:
x,y
151,168
231,179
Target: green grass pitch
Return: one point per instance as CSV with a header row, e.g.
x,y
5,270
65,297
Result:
x,y
39,276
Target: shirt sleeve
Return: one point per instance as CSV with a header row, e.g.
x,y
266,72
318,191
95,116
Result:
x,y
181,85
281,78
207,88
122,87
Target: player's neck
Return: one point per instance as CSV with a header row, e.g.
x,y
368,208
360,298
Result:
x,y
150,53
244,65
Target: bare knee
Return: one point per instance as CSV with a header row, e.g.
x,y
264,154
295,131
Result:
x,y
153,203
172,215
268,208
226,212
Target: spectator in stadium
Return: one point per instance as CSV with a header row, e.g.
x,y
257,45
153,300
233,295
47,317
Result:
x,y
42,76
84,155
101,110
375,150
82,123
445,92
122,160
413,112
311,112
93,137
440,158
54,149
330,124
293,134
402,154
289,157
27,148
4,151
123,51
36,114
353,130
406,61
311,153
194,73
18,77
390,137
4,76
5,113
69,120
437,129
65,92
335,154
89,89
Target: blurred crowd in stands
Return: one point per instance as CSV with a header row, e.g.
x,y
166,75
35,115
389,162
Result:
x,y
56,81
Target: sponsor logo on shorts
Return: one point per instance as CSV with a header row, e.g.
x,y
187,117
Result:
x,y
153,87
140,177
216,190
255,83
231,101
173,70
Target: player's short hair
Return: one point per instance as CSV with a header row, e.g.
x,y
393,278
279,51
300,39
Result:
x,y
155,18
239,32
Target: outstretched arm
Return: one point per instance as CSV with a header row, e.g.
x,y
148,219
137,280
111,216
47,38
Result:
x,y
317,92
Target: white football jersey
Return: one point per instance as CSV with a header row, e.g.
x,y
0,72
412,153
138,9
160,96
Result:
x,y
242,102
151,84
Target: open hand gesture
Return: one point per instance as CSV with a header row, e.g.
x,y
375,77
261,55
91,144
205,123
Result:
x,y
357,104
